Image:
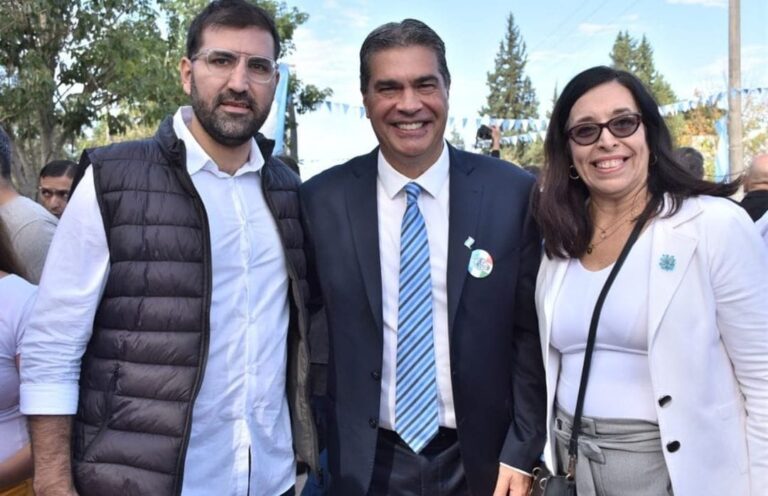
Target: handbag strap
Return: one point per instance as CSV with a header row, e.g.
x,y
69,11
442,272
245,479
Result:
x,y
574,441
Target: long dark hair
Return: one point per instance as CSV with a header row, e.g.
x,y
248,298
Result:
x,y
8,261
560,205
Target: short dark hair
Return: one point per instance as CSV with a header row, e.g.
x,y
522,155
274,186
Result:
x,y
409,32
237,14
692,160
560,205
5,154
58,168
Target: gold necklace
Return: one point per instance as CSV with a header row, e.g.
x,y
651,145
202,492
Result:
x,y
607,232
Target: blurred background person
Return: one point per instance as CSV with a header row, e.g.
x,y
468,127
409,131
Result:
x,y
755,201
54,185
495,141
29,226
16,297
492,133
677,398
692,160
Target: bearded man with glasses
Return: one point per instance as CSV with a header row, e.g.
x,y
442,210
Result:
x,y
172,322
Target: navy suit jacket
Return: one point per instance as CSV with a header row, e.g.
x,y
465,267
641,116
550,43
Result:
x,y
496,366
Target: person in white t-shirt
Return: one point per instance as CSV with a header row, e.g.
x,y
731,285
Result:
x,y
16,297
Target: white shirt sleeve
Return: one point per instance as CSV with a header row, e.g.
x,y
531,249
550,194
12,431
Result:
x,y
61,323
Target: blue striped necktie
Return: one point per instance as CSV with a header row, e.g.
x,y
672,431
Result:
x,y
416,391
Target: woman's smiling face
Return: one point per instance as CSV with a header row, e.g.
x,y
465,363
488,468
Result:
x,y
612,168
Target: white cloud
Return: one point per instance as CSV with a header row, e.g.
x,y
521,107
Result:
x,y
591,29
347,15
713,77
326,63
703,3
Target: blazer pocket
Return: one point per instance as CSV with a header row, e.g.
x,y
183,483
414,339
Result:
x,y
733,415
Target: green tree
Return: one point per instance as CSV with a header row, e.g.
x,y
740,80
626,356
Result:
x,y
456,139
69,65
637,57
510,91
62,63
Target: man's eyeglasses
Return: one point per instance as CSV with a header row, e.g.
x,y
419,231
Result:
x,y
221,63
622,126
49,193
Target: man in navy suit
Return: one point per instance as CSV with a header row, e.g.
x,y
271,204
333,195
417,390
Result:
x,y
435,387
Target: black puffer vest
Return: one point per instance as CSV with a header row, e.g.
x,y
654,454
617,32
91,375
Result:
x,y
145,362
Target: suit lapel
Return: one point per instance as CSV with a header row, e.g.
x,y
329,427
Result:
x,y
464,211
363,218
671,253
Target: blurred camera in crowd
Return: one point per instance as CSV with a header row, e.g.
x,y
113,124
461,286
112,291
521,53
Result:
x,y
483,133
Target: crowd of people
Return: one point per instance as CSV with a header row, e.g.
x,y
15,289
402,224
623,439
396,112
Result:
x,y
180,315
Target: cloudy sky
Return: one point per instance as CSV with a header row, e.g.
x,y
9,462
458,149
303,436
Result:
x,y
563,37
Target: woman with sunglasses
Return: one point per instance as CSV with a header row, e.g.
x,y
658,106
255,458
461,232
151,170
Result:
x,y
676,400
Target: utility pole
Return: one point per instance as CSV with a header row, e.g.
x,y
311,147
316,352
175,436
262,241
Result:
x,y
735,151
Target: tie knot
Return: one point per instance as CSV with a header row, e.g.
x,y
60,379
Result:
x,y
412,191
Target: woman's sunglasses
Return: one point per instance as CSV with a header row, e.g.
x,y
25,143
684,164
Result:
x,y
621,127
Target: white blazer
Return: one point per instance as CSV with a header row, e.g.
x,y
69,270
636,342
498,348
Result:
x,y
707,347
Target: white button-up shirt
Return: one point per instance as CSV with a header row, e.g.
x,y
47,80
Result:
x,y
433,204
242,406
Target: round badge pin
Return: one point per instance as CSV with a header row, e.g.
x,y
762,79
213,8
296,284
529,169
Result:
x,y
480,264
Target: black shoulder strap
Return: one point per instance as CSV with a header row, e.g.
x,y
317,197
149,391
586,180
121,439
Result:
x,y
573,444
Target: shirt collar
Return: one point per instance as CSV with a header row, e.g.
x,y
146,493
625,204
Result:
x,y
431,181
198,159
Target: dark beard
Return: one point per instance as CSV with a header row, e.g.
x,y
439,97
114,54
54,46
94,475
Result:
x,y
228,130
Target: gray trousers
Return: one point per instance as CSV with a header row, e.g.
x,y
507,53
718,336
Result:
x,y
616,457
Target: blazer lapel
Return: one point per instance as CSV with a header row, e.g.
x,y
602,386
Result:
x,y
671,252
551,276
464,211
363,218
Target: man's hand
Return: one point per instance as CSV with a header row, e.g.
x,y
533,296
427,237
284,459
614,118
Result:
x,y
512,483
51,453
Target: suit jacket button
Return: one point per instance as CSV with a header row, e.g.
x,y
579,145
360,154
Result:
x,y
673,446
664,400
376,375
374,423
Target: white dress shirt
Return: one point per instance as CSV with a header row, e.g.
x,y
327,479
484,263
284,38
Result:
x,y
242,406
433,203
